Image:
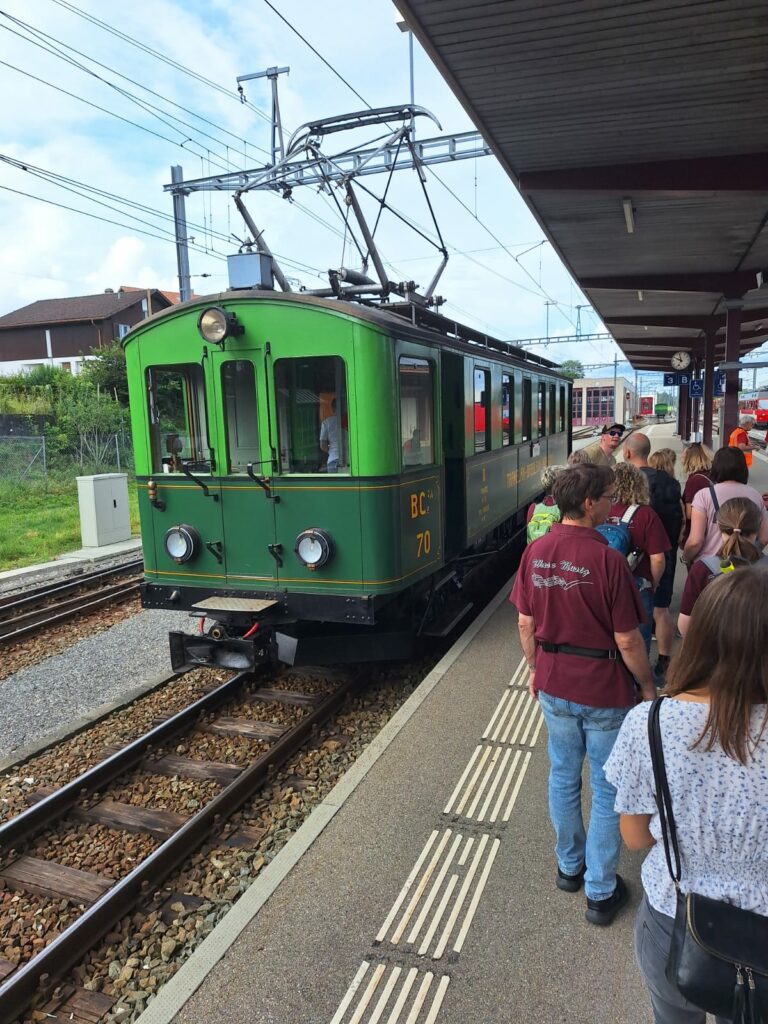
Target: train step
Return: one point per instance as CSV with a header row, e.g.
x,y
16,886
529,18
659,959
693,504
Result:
x,y
442,627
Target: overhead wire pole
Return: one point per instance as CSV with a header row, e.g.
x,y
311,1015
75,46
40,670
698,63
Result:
x,y
182,240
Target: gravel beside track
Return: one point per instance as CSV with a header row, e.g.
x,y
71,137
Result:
x,y
47,696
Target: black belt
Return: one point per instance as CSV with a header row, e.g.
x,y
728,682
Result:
x,y
582,652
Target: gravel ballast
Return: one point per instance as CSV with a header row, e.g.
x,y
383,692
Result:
x,y
43,698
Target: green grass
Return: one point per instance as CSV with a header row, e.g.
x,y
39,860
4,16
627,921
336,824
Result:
x,y
41,520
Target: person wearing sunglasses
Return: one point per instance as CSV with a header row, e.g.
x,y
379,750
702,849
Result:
x,y
601,453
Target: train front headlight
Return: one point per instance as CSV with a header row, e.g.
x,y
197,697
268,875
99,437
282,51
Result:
x,y
215,324
313,548
182,543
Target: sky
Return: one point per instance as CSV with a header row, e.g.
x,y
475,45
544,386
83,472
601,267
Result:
x,y
92,106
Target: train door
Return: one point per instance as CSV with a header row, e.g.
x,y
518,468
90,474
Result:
x,y
245,467
186,515
453,427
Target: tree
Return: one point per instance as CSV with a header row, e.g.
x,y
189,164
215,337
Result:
x,y
107,372
573,369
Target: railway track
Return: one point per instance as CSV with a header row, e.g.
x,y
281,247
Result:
x,y
34,611
101,796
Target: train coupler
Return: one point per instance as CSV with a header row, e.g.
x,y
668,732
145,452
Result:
x,y
189,651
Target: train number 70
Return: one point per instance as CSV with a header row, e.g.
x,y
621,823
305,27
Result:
x,y
424,541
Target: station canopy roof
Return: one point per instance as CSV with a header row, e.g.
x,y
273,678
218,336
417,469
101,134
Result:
x,y
636,132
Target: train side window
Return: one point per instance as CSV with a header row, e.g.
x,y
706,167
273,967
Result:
x,y
507,408
312,415
416,411
561,409
482,410
526,436
541,410
552,409
178,429
238,388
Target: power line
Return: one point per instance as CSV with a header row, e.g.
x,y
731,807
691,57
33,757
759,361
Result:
x,y
158,55
52,48
317,53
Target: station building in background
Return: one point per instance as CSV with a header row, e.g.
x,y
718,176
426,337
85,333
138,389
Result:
x,y
600,400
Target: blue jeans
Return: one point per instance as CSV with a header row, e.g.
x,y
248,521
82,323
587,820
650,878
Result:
x,y
646,598
576,730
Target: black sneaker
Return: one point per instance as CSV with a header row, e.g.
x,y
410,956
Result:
x,y
569,883
602,912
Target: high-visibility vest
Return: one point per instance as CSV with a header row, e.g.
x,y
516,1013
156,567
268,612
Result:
x,y
734,442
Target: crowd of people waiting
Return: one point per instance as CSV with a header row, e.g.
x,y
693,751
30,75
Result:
x,y
596,579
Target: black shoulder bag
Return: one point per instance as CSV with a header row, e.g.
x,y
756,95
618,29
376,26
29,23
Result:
x,y
718,958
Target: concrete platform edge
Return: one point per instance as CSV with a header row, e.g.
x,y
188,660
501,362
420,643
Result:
x,y
71,728
192,974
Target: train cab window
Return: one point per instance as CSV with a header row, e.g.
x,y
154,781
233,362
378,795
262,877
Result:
x,y
238,388
416,415
312,415
541,410
178,429
552,410
561,410
526,428
482,410
507,408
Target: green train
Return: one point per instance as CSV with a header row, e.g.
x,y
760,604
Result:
x,y
316,475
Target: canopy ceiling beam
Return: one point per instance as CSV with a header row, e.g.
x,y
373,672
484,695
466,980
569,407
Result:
x,y
744,174
732,284
692,321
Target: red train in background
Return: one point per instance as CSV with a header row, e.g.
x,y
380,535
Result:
x,y
755,403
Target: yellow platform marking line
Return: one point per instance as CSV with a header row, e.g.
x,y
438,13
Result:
x,y
498,771
412,1003
438,895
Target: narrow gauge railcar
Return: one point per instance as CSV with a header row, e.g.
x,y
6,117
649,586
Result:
x,y
315,474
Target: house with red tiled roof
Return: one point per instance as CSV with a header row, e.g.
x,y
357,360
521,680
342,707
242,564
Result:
x,y
64,332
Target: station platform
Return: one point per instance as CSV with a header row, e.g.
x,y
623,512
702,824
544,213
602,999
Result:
x,y
423,889
71,563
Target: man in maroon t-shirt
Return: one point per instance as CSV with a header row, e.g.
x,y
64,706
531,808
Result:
x,y
578,617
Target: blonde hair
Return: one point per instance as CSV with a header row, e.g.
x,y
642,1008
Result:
x,y
631,485
663,459
697,458
577,456
548,475
737,519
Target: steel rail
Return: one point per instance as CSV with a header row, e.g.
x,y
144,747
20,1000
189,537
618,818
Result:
x,y
37,594
21,626
42,814
70,945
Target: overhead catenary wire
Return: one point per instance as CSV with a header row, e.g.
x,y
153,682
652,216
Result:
x,y
54,43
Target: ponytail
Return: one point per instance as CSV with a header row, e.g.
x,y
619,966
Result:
x,y
738,519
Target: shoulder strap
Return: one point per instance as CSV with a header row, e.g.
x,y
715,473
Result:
x,y
715,502
628,514
663,796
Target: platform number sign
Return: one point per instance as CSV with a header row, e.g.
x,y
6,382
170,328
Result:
x,y
670,380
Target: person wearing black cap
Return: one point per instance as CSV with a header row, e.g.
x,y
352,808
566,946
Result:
x,y
601,452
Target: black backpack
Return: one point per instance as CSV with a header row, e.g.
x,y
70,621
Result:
x,y
665,500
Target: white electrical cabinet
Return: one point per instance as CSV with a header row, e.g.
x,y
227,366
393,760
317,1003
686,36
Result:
x,y
104,513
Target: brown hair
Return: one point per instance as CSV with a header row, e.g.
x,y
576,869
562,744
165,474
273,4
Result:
x,y
664,459
574,485
724,650
631,485
697,458
729,464
737,518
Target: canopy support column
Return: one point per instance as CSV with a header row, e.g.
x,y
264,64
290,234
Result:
x,y
732,351
709,387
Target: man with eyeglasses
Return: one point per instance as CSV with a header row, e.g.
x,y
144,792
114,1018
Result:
x,y
601,452
578,617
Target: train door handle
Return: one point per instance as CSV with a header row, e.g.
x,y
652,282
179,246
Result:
x,y
276,550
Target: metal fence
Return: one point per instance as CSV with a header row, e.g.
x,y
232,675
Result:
x,y
34,458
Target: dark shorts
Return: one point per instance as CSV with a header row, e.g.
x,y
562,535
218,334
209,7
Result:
x,y
662,597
